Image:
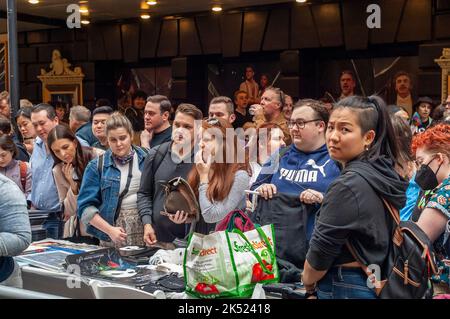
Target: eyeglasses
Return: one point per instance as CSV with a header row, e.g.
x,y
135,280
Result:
x,y
300,123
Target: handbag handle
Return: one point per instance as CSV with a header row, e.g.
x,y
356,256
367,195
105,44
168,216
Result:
x,y
254,253
237,214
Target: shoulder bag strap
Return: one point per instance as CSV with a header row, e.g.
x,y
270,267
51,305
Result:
x,y
23,174
125,191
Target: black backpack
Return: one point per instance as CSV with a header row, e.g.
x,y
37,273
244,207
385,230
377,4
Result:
x,y
409,265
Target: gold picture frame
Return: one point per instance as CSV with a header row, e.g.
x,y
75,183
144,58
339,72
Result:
x,y
61,83
444,63
4,71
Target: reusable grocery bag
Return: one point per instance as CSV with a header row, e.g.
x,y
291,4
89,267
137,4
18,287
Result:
x,y
228,264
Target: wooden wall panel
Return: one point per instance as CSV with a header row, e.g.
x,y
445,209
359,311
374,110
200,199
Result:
x,y
230,27
62,35
130,42
149,38
254,26
390,17
303,30
442,26
209,30
168,41
189,41
356,32
96,45
277,34
113,42
328,23
416,22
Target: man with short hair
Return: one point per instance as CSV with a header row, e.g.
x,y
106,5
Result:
x,y
163,163
270,111
80,124
403,90
44,195
5,106
99,117
222,107
347,83
241,113
156,122
250,86
135,112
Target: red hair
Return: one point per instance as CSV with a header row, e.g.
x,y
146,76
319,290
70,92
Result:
x,y
435,139
222,180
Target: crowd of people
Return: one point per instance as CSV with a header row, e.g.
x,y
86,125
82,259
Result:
x,y
100,175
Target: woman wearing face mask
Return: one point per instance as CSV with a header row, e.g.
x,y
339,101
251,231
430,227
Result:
x,y
23,120
360,136
433,176
70,160
421,118
107,202
404,165
218,181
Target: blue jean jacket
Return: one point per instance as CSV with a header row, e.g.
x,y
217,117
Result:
x,y
101,194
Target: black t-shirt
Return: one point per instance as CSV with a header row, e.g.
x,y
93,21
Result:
x,y
242,119
161,137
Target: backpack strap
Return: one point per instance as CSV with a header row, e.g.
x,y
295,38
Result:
x,y
161,151
393,211
23,174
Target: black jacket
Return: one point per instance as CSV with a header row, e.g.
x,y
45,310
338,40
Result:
x,y
150,197
353,210
289,218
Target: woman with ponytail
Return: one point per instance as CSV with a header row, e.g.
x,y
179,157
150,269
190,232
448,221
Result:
x,y
361,138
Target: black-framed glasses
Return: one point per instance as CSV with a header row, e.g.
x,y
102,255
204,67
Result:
x,y
300,123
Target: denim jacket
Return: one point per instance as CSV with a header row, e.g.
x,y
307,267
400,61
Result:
x,y
101,196
15,230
